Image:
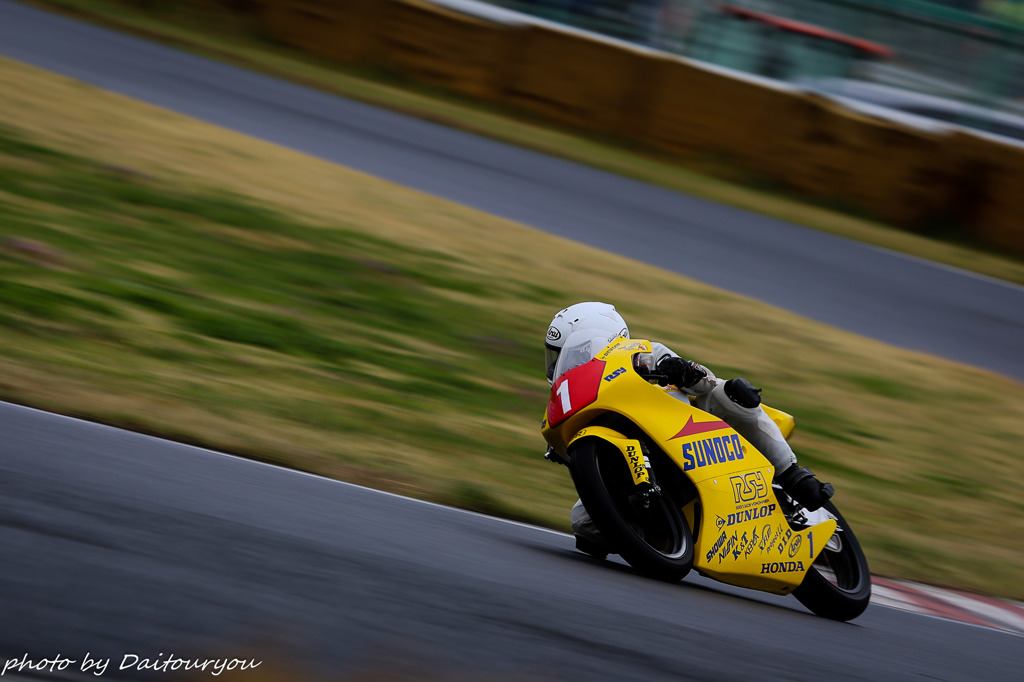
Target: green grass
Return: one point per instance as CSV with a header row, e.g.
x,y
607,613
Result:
x,y
338,302
240,39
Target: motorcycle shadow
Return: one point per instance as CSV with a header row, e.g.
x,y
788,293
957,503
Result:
x,y
694,582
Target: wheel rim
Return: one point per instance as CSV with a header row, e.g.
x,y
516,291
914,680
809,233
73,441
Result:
x,y
656,525
838,564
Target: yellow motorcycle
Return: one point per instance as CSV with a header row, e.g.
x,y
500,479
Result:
x,y
673,488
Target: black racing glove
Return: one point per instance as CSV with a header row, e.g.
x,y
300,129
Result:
x,y
682,373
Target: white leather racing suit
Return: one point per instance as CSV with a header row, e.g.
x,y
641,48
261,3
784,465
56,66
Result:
x,y
752,423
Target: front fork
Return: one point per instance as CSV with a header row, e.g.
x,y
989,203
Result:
x,y
650,489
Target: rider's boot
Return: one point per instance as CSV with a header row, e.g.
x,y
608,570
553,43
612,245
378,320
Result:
x,y
738,403
800,484
588,538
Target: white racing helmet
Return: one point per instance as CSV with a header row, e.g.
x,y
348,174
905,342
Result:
x,y
601,317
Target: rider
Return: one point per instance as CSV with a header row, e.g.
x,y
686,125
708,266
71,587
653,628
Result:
x,y
735,401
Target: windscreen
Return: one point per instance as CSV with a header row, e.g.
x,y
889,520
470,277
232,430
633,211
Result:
x,y
580,348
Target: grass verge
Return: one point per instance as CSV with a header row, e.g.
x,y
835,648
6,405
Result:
x,y
237,40
176,278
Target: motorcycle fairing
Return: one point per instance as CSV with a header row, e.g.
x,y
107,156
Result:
x,y
749,542
732,478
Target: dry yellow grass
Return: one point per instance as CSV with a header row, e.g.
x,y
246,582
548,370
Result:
x,y
214,33
924,452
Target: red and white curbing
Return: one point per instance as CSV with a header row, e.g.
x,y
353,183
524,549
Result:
x,y
989,612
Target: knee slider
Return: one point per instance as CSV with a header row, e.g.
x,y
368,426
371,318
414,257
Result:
x,y
743,393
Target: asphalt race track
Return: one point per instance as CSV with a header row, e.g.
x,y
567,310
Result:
x,y
117,543
899,300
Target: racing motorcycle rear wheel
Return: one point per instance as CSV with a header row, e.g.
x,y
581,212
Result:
x,y
650,534
838,585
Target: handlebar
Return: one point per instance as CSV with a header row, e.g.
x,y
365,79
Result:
x,y
662,379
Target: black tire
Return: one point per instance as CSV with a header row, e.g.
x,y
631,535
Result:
x,y
838,585
655,540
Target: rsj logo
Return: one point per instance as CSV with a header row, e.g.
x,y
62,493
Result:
x,y
748,487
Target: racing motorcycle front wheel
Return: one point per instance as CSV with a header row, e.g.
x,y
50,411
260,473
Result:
x,y
838,585
649,532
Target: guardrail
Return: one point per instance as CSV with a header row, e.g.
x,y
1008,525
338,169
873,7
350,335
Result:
x,y
908,176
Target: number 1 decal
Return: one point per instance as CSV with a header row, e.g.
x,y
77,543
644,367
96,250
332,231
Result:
x,y
563,393
810,542
565,400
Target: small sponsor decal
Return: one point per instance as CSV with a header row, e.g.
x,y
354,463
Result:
x,y
782,567
794,546
701,453
642,346
617,373
746,515
740,546
753,543
728,548
554,334
748,487
715,547
784,540
638,464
